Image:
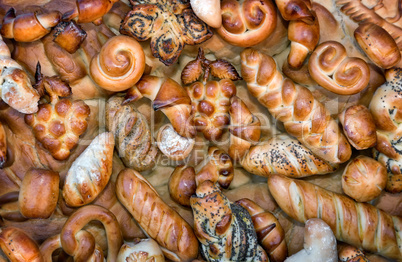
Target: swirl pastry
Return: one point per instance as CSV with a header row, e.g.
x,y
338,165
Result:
x,y
331,68
119,64
28,27
303,116
18,246
386,108
133,138
247,22
87,11
90,172
169,24
225,230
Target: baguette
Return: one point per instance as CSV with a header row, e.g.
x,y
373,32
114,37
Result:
x,y
358,224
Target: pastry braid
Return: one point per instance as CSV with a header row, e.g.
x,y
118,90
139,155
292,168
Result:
x,y
358,224
270,233
28,27
303,116
87,11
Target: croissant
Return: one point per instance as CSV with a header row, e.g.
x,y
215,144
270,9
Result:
x,y
155,217
168,96
16,89
225,230
303,116
119,64
173,145
90,172
87,11
330,66
385,107
270,233
358,224
3,146
18,246
28,27
134,141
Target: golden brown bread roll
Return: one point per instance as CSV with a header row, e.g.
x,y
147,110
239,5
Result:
x,y
386,106
270,233
168,96
208,11
69,36
303,116
358,224
30,26
348,253
286,156
144,250
294,9
225,230
155,217
39,193
119,64
3,146
173,145
359,127
247,22
133,138
378,45
87,11
90,172
330,66
18,246
182,184
364,179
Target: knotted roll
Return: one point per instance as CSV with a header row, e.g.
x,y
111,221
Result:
x,y
119,64
87,11
303,116
247,22
30,26
331,68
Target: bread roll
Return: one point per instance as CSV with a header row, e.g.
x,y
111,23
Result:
x,y
182,184
69,36
348,253
87,11
208,11
143,250
173,145
18,246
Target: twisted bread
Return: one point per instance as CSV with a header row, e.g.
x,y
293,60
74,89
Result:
x,y
144,250
247,22
225,230
168,96
155,217
286,156
28,27
39,193
357,224
72,233
87,11
18,246
16,89
303,116
134,141
270,233
173,145
90,172
3,146
330,67
244,129
119,64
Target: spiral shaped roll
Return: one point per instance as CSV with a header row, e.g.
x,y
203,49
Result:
x,y
119,64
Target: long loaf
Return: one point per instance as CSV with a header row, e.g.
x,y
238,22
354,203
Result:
x,y
358,224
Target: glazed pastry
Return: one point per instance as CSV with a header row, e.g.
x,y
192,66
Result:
x,y
168,96
16,89
358,224
330,66
303,116
28,27
386,107
359,127
58,124
119,64
169,24
18,246
208,11
144,250
90,172
155,217
182,184
270,233
210,99
319,243
133,139
11,215
173,145
3,146
87,11
348,253
247,22
225,230
69,36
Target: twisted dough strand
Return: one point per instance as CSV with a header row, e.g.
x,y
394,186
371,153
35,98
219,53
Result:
x,y
303,116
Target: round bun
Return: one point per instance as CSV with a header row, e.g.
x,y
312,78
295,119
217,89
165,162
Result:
x,y
119,64
364,179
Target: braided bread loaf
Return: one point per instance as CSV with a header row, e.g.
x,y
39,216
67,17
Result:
x,y
358,224
303,116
